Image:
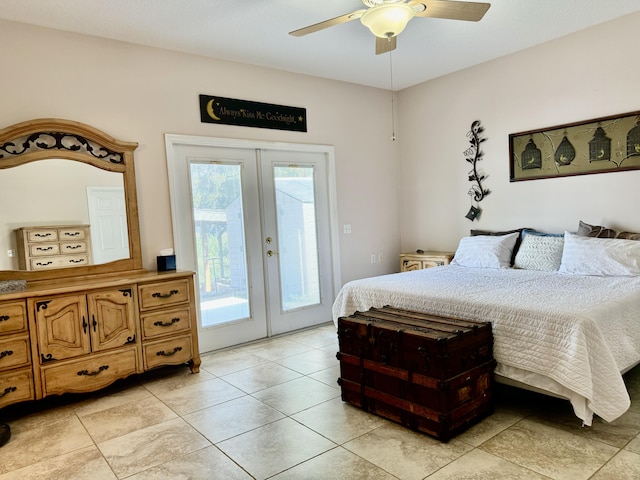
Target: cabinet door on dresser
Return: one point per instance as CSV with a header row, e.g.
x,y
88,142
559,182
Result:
x,y
112,315
73,325
63,327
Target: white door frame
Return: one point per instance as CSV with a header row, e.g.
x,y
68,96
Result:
x,y
179,240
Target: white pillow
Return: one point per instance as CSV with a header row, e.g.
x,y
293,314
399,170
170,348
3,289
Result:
x,y
540,252
485,251
607,257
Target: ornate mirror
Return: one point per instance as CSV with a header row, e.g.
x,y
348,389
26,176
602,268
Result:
x,y
68,196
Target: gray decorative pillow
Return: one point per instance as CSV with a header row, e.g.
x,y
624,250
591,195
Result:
x,y
540,252
586,230
628,235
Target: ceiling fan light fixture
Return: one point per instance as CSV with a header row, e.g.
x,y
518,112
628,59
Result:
x,y
388,19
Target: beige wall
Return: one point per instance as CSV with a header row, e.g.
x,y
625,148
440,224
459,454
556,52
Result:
x,y
416,200
586,75
138,94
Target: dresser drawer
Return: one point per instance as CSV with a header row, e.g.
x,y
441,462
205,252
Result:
x,y
411,265
40,249
42,235
66,234
14,352
16,386
173,351
73,247
164,322
162,294
13,317
61,261
89,373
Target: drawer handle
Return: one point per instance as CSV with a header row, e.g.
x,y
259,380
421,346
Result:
x,y
6,353
94,323
80,260
46,358
71,234
72,247
42,235
162,353
44,249
166,324
7,391
84,324
41,264
165,295
4,318
96,372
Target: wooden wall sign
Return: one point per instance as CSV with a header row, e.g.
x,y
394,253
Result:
x,y
231,111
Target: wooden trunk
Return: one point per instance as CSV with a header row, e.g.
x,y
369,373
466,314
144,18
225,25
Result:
x,y
430,373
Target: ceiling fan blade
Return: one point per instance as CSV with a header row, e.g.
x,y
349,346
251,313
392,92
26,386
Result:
x,y
453,10
328,23
384,45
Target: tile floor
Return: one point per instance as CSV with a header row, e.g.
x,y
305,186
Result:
x,y
273,410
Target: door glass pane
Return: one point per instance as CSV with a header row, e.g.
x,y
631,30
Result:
x,y
297,237
216,190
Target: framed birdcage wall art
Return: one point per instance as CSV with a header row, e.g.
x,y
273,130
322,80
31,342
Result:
x,y
607,144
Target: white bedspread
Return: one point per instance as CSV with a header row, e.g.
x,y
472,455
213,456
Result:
x,y
567,334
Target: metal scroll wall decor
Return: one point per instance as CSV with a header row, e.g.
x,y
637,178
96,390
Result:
x,y
473,154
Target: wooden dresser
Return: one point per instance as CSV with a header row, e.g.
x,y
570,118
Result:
x,y
56,246
82,335
418,261
80,326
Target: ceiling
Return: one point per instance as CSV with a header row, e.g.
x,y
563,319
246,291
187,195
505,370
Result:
x,y
256,32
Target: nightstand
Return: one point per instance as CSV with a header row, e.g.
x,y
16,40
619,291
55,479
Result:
x,y
418,261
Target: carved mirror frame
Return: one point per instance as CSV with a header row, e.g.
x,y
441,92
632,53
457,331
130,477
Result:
x,y
66,139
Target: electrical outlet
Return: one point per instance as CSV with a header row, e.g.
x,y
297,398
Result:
x,y
347,229
11,253
373,258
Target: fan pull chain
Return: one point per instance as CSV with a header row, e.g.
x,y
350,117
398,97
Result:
x,y
393,119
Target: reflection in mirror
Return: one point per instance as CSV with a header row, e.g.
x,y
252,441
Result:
x,y
63,192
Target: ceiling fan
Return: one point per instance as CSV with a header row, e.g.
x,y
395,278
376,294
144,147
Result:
x,y
387,18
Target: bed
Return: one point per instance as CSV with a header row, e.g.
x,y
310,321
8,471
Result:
x,y
570,330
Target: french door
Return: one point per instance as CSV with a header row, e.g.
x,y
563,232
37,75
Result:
x,y
254,221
